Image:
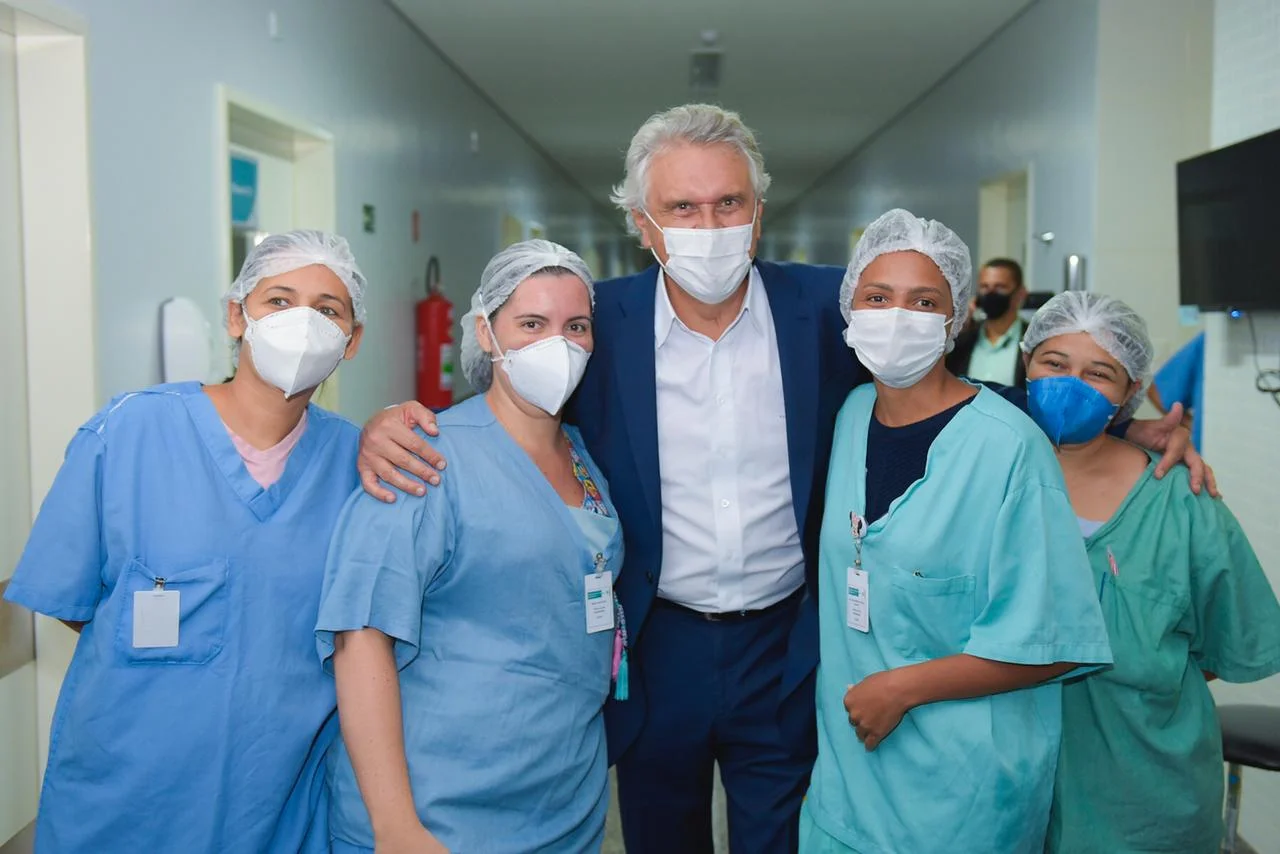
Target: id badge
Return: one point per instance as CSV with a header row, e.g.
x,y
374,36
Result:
x,y
598,594
858,601
155,618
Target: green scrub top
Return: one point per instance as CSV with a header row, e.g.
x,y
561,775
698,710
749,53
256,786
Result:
x,y
981,556
1182,592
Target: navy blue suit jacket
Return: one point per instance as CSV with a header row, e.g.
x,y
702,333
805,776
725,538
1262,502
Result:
x,y
616,409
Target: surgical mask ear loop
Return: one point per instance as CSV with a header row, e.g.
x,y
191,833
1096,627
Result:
x,y
493,338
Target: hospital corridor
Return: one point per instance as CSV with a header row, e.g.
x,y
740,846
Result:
x,y
497,427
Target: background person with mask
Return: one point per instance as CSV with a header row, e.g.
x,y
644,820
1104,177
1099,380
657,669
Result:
x,y
709,403
492,598
184,538
988,351
1182,593
953,586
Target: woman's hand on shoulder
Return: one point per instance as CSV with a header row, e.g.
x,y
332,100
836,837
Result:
x,y
391,452
1167,436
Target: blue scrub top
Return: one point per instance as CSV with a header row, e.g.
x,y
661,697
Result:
x,y
980,556
216,744
1181,380
481,584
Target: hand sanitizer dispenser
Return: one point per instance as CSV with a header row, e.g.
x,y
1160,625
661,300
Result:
x,y
185,345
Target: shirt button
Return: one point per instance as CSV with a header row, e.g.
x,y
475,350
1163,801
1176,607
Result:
x,y
724,502
648,576
719,401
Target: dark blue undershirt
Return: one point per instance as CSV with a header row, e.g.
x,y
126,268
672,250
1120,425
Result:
x,y
896,457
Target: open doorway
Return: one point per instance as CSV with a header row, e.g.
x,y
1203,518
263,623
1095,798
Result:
x,y
17,628
1004,220
275,173
47,343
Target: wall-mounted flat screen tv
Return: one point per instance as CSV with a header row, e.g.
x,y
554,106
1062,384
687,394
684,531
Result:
x,y
1229,227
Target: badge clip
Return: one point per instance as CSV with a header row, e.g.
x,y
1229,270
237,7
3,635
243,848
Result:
x,y
858,527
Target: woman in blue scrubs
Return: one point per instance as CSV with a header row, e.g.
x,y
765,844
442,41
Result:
x,y
953,585
473,631
184,538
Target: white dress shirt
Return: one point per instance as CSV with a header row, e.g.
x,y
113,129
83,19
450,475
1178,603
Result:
x,y
729,536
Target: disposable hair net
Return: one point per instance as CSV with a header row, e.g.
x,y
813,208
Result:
x,y
899,230
501,276
293,250
1115,327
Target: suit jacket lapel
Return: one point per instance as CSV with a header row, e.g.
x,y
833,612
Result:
x,y
637,383
794,323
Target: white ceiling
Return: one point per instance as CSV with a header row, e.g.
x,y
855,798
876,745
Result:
x,y
814,78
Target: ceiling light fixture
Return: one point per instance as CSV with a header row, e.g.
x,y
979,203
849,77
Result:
x,y
704,64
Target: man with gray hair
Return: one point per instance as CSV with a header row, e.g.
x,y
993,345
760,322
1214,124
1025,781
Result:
x,y
716,432
709,404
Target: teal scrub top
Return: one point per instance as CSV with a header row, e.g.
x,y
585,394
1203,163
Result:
x,y
1182,592
980,556
481,584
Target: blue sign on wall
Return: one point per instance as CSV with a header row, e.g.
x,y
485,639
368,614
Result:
x,y
244,191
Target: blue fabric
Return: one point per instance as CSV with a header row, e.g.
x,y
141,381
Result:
x,y
1018,397
616,409
980,557
217,744
480,583
597,529
896,457
712,693
1069,410
1181,380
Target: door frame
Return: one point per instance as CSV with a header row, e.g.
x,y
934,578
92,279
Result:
x,y
993,215
247,122
58,287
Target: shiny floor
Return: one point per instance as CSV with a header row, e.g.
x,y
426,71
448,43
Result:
x,y
613,830
22,843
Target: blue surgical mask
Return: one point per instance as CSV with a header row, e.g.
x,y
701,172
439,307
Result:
x,y
1069,410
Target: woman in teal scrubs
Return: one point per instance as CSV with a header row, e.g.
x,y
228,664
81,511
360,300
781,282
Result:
x,y
473,631
1181,590
954,587
185,539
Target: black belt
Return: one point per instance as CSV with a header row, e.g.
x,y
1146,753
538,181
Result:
x,y
732,616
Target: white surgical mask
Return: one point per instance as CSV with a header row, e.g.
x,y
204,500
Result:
x,y
295,349
546,372
707,263
898,346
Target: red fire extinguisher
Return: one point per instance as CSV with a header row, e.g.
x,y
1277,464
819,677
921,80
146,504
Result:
x,y
435,343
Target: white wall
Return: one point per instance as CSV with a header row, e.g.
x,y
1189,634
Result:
x,y
1242,427
1154,78
1028,98
401,120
